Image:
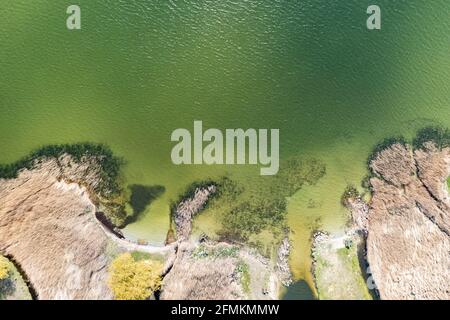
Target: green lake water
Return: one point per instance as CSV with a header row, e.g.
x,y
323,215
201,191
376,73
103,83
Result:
x,y
139,69
298,291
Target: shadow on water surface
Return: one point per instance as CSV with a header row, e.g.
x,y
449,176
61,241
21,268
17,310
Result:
x,y
299,290
141,197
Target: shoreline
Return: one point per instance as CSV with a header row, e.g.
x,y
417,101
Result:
x,y
45,181
410,203
390,164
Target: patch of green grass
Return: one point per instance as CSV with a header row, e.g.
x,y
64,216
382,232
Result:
x,y
350,258
448,183
200,252
319,265
203,251
226,252
244,271
139,256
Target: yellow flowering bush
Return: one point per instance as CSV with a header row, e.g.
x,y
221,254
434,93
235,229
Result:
x,y
131,279
4,268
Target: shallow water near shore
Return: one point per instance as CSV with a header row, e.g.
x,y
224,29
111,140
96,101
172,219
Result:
x,y
299,290
140,69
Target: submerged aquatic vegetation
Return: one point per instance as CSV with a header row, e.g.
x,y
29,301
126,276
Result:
x,y
109,164
386,143
108,188
350,193
440,136
249,218
246,208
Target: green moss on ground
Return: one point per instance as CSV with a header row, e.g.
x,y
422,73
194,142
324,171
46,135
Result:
x,y
203,251
140,256
337,273
243,270
350,257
